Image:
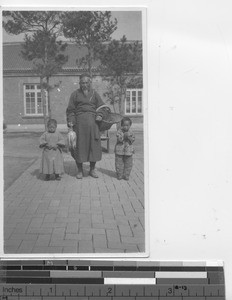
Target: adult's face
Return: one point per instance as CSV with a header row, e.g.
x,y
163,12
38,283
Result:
x,y
85,83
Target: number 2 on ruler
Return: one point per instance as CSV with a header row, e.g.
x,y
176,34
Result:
x,y
109,291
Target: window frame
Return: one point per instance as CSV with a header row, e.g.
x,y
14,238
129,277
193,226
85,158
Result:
x,y
136,113
36,90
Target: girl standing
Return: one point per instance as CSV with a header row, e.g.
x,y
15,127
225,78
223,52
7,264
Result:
x,y
52,143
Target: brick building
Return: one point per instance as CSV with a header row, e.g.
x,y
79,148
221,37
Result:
x,y
22,95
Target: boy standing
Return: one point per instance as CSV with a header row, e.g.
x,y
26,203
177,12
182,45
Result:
x,y
124,150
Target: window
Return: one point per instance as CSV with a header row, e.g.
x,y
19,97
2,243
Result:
x,y
134,100
33,105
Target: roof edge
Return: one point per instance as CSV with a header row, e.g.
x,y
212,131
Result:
x,y
68,42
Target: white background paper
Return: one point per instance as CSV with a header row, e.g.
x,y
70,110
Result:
x,y
190,127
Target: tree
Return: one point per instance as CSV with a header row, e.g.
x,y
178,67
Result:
x,y
89,29
122,62
45,52
41,28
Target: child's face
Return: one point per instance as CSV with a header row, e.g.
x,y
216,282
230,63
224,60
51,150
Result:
x,y
51,128
126,126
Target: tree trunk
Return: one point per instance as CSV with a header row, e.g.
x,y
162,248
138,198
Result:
x,y
44,90
122,101
90,62
114,108
43,96
48,99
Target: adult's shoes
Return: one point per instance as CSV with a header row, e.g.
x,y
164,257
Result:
x,y
93,173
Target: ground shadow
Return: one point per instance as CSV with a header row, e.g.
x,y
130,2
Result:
x,y
70,168
40,176
14,166
109,173
37,174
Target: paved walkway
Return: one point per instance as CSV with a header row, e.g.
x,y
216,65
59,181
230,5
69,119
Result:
x,y
101,215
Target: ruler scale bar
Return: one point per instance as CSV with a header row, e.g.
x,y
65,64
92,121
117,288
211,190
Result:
x,y
50,280
80,268
181,274
79,274
24,273
128,274
130,281
117,290
110,280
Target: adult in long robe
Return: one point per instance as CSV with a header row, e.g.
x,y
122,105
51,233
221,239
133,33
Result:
x,y
81,114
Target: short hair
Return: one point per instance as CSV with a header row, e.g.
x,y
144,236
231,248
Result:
x,y
85,75
52,121
124,119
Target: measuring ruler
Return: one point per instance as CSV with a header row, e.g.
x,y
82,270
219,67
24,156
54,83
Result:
x,y
110,280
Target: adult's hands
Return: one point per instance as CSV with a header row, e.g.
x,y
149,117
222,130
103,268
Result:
x,y
98,118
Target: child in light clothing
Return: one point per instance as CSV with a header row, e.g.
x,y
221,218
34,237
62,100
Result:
x,y
52,143
124,150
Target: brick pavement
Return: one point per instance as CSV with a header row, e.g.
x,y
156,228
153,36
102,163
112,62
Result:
x,y
101,215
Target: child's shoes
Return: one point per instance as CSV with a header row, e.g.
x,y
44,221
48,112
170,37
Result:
x,y
119,175
79,175
57,177
47,177
126,177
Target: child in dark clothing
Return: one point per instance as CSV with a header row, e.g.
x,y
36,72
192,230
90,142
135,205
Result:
x,y
52,160
124,150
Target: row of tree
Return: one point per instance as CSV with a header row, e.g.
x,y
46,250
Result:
x,y
45,47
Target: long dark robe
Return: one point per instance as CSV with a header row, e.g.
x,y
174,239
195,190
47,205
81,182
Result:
x,y
81,111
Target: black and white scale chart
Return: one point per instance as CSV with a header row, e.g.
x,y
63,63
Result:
x,y
110,280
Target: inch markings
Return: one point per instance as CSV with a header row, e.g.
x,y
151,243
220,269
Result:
x,y
110,280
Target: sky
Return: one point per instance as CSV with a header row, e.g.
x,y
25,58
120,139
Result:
x,y
129,24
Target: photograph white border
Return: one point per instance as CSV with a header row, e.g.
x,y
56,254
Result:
x,y
178,31
143,10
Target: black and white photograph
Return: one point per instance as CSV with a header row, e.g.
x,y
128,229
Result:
x,y
74,109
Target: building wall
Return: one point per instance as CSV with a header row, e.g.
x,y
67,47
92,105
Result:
x,y
13,102
63,86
